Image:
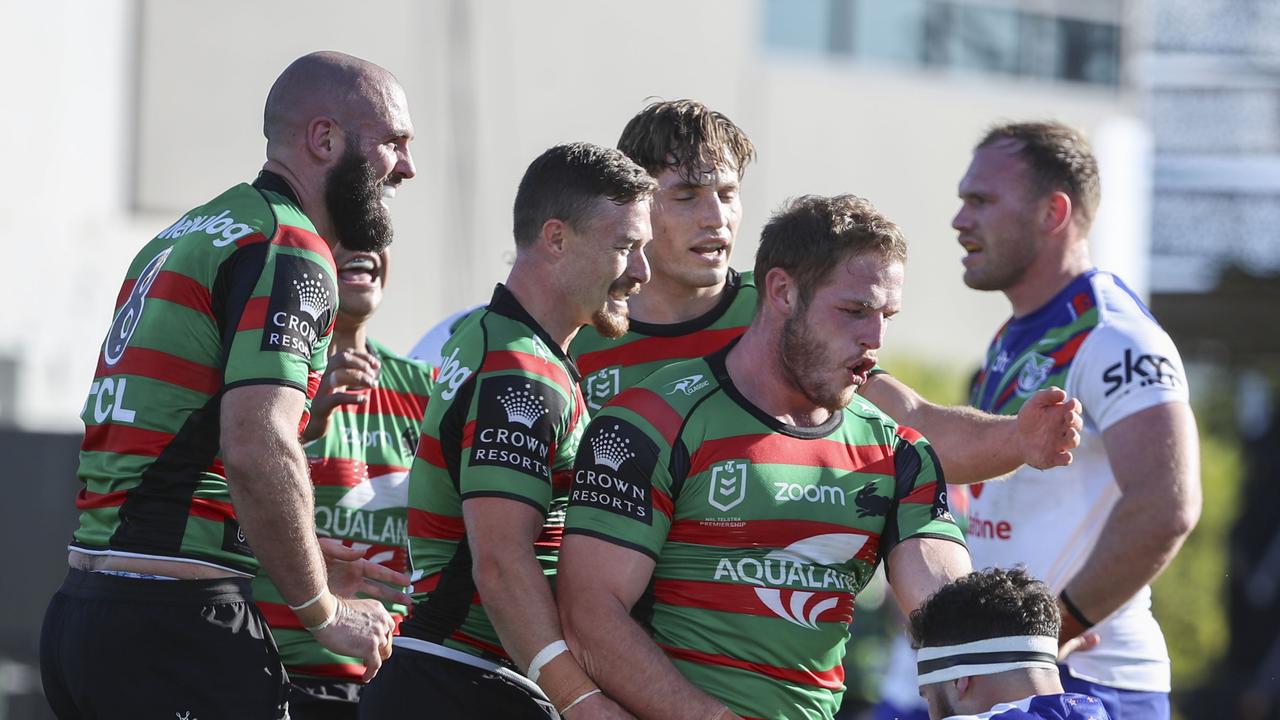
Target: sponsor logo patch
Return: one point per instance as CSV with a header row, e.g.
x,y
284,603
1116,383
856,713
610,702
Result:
x,y
1143,369
789,579
688,385
614,470
728,484
303,300
515,425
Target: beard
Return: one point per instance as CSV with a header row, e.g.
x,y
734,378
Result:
x,y
613,324
353,197
805,361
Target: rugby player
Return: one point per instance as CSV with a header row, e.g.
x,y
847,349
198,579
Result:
x,y
193,472
725,511
487,490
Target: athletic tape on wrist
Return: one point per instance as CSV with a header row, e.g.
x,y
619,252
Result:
x,y
310,602
581,697
544,656
1074,611
985,657
333,615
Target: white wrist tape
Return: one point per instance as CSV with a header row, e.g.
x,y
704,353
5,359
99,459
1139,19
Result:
x,y
581,697
544,656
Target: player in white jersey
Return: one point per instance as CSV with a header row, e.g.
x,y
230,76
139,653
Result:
x,y
1100,530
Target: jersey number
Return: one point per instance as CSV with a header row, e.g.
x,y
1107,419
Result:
x,y
127,317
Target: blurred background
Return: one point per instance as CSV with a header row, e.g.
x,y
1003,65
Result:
x,y
119,115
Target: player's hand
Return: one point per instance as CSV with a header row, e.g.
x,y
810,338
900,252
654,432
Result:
x,y
360,628
350,572
347,379
1049,427
597,707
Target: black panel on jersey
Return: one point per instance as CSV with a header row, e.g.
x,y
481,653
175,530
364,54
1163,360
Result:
x,y
515,425
614,470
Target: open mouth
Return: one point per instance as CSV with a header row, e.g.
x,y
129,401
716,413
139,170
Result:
x,y
713,251
970,247
361,270
860,370
388,192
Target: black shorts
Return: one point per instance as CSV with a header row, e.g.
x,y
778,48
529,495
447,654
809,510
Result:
x,y
117,647
315,699
415,684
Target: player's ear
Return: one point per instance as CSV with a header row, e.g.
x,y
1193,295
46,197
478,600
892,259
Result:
x,y
781,291
963,686
552,237
324,138
1057,212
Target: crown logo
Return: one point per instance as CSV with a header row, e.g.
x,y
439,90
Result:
x,y
611,449
523,406
313,297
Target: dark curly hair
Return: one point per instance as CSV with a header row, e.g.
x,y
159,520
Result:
x,y
985,604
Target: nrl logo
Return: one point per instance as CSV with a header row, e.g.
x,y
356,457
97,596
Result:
x,y
1035,370
602,386
688,385
728,484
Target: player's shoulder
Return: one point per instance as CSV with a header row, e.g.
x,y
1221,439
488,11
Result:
x,y
238,216
672,391
863,415
1118,307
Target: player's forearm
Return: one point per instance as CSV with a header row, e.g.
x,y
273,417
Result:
x,y
271,490
972,445
517,599
625,662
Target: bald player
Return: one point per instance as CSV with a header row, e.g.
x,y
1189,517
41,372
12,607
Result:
x,y
193,474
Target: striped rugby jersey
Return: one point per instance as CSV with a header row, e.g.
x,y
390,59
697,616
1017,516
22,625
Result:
x,y
240,291
360,470
504,420
763,533
610,366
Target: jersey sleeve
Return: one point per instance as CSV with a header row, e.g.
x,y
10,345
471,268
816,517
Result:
x,y
513,437
921,509
1121,370
621,490
277,318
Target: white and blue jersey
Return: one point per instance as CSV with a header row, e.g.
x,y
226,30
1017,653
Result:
x,y
1064,706
1099,342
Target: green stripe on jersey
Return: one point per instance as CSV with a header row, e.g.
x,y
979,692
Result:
x,y
611,365
762,533
238,291
359,469
504,421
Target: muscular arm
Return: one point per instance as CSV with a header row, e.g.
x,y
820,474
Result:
x,y
597,584
270,488
1155,456
917,567
975,446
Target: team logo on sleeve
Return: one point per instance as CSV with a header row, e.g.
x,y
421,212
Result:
x,y
515,424
303,300
602,386
1145,370
614,470
1035,370
728,484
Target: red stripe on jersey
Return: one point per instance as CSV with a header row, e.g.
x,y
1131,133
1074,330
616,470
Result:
x,y
1067,352
431,582
550,538
383,401
293,236
778,449
909,434
468,434
126,289
345,472
650,406
181,290
313,386
86,500
478,643
832,679
423,524
764,533
744,600
254,317
561,480
251,239
160,365
278,615
429,451
923,495
662,503
217,469
125,440
212,509
652,349
499,360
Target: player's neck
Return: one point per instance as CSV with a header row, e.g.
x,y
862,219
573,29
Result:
x,y
662,301
1014,685
310,196
1047,276
544,303
348,336
755,366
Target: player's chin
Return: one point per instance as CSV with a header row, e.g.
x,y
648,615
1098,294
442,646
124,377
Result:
x,y
611,321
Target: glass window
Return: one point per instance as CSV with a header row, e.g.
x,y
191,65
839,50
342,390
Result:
x,y
1090,52
982,38
892,32
797,24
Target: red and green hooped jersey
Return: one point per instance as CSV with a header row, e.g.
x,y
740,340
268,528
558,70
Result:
x,y
360,469
504,421
763,533
610,366
240,291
